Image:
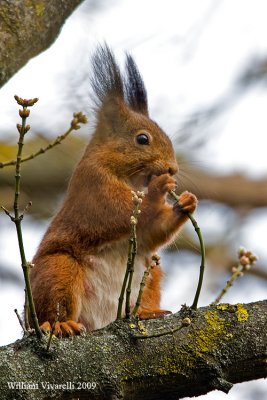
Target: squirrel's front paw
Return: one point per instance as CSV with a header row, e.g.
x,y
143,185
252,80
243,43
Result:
x,y
68,328
160,185
187,203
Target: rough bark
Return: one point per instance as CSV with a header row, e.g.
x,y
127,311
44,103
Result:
x,y
28,27
224,345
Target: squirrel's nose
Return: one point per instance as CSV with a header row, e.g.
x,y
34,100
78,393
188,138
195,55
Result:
x,y
173,169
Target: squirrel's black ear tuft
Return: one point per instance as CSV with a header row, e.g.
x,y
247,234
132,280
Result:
x,y
134,87
107,81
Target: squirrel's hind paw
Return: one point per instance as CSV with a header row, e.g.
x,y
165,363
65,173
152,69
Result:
x,y
64,329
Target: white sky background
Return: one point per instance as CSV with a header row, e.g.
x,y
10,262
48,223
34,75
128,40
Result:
x,y
189,52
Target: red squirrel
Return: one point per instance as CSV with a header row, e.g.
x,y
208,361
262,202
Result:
x,y
80,264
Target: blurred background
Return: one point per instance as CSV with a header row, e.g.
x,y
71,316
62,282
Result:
x,y
204,64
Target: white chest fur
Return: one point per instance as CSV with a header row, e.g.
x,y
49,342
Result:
x,y
104,277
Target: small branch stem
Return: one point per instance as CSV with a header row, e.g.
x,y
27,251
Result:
x,y
228,285
130,268
26,311
185,322
128,276
202,249
17,218
132,249
121,298
246,260
142,286
20,321
78,118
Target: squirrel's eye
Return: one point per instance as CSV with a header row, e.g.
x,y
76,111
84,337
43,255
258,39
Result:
x,y
142,138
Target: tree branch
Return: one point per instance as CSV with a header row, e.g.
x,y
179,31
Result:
x,y
28,29
223,345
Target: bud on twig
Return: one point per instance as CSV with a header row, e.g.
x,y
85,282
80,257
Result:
x,y
82,119
78,118
244,260
24,113
30,264
25,102
31,102
133,220
156,259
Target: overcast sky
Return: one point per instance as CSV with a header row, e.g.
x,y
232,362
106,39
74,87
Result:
x,y
189,52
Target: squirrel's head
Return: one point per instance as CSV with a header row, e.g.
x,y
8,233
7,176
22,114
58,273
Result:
x,y
126,140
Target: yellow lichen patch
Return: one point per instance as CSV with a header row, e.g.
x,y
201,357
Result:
x,y
223,306
176,363
142,329
39,8
208,337
241,313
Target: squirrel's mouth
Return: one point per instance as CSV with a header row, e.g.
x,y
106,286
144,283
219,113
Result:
x,y
141,181
148,179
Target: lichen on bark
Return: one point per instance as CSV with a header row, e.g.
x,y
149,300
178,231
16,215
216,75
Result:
x,y
214,352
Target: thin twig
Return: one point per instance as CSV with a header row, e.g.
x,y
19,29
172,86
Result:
x,y
20,321
141,290
137,201
26,310
7,213
26,208
202,249
126,277
132,248
185,322
78,118
17,218
246,259
155,261
121,297
130,269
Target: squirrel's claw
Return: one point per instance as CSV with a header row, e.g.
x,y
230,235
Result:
x,y
64,329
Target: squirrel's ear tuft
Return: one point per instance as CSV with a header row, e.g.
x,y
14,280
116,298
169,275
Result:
x,y
108,82
135,90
